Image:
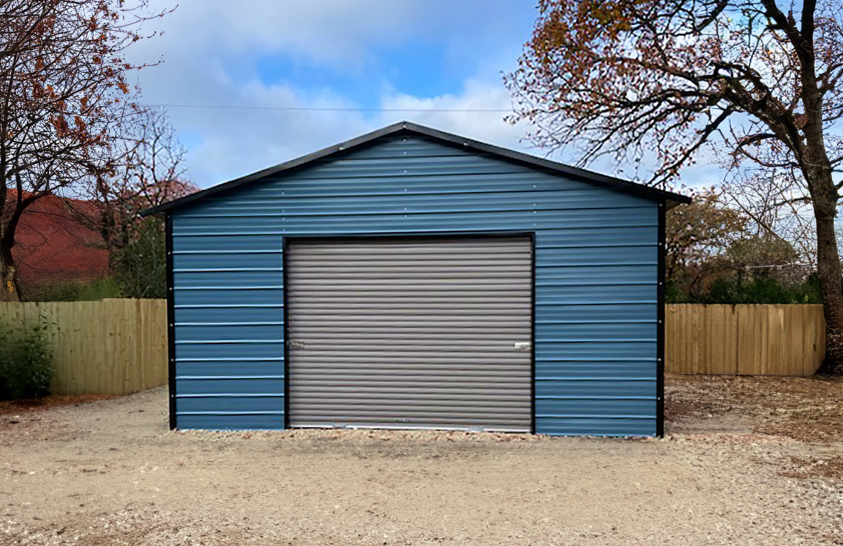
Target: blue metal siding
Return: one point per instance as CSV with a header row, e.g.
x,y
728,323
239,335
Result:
x,y
596,278
228,299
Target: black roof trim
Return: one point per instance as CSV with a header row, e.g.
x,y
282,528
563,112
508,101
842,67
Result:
x,y
672,199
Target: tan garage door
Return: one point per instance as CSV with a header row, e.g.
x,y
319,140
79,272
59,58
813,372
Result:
x,y
410,333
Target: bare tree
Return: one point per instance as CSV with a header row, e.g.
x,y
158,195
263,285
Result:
x,y
769,200
64,95
697,237
632,78
148,170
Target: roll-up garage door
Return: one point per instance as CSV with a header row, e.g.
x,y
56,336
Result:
x,y
410,333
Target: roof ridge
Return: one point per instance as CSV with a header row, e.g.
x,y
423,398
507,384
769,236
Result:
x,y
626,186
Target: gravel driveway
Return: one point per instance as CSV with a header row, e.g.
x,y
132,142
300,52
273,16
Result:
x,y
109,472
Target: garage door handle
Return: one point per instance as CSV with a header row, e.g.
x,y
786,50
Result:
x,y
295,344
523,346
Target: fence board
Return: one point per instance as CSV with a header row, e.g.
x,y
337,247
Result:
x,y
118,346
744,339
112,346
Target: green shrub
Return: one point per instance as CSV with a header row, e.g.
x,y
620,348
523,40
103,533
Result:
x,y
140,268
72,290
26,359
763,290
760,290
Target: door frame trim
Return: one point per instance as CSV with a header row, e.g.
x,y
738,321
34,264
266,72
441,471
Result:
x,y
409,236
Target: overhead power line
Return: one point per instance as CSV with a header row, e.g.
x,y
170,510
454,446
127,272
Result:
x,y
332,109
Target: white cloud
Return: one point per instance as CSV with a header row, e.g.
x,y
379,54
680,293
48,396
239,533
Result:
x,y
211,51
331,32
460,113
235,142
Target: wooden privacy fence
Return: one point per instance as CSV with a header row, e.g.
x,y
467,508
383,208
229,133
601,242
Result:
x,y
744,339
112,346
119,346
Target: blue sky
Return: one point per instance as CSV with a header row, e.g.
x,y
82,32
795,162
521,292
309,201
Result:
x,y
364,56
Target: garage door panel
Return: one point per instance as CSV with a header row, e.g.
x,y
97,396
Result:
x,y
431,413
412,333
344,358
454,312
440,247
467,285
461,422
429,275
457,260
509,402
395,381
416,296
387,330
495,341
399,319
443,349
458,393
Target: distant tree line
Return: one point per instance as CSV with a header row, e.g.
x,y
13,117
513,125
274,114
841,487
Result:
x,y
717,253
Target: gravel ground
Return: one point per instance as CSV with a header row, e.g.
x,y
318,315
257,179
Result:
x,y
730,471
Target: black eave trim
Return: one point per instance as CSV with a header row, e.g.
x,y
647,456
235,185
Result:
x,y
171,321
406,127
284,276
533,336
660,326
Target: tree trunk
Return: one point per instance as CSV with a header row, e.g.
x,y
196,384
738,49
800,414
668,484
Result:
x,y
9,288
829,273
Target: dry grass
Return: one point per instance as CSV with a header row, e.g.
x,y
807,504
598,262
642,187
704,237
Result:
x,y
10,408
808,409
808,467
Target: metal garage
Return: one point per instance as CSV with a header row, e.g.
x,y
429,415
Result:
x,y
411,332
415,278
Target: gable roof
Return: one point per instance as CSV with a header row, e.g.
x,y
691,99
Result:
x,y
407,128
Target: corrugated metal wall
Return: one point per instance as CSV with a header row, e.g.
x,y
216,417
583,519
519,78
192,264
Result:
x,y
411,333
596,278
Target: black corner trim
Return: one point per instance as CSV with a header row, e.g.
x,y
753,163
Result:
x,y
533,336
660,325
286,313
171,321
